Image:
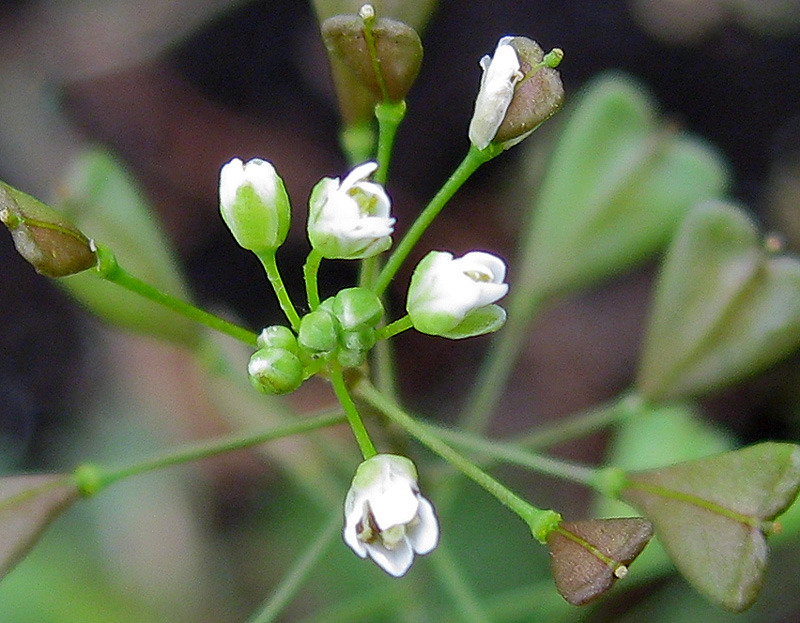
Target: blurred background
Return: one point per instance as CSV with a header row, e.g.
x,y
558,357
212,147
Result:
x,y
175,88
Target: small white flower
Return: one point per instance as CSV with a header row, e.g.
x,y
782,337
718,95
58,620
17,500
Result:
x,y
386,518
501,72
350,220
445,293
254,204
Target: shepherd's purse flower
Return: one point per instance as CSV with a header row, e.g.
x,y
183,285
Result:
x,y
350,219
254,204
501,72
452,297
386,517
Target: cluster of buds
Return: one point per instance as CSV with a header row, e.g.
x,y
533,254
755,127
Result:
x,y
342,330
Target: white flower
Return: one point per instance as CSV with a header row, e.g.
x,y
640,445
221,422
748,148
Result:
x,y
386,518
501,73
453,297
254,204
350,220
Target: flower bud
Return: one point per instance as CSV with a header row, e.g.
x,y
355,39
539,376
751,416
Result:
x,y
519,90
254,204
275,371
357,307
350,219
386,517
453,297
42,236
278,336
319,332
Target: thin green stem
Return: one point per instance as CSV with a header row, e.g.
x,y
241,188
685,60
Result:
x,y
269,261
452,577
517,455
583,423
310,276
474,159
389,115
92,478
541,522
110,270
351,412
393,328
494,373
297,574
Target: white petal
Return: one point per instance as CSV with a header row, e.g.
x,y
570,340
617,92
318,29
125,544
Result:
x,y
395,562
500,74
424,536
396,505
361,172
231,177
492,263
353,517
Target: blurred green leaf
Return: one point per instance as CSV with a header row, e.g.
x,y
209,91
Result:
x,y
724,307
711,515
104,201
28,504
616,187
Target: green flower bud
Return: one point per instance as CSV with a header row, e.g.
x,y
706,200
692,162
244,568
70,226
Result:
x,y
275,371
278,336
319,332
50,243
360,339
254,204
357,307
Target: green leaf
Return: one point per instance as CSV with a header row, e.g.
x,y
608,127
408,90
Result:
x,y
104,201
27,506
588,557
711,515
616,187
724,307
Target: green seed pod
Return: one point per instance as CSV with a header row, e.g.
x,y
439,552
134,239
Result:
x,y
393,69
50,243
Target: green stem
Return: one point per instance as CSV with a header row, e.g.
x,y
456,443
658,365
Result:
x,y
541,522
493,376
310,276
517,455
452,577
393,328
474,159
110,270
299,571
583,423
351,412
91,479
389,115
269,261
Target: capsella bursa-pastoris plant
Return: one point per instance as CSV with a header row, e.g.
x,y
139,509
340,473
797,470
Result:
x,y
386,516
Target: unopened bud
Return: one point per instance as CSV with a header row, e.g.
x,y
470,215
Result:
x,y
275,371
356,308
319,332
